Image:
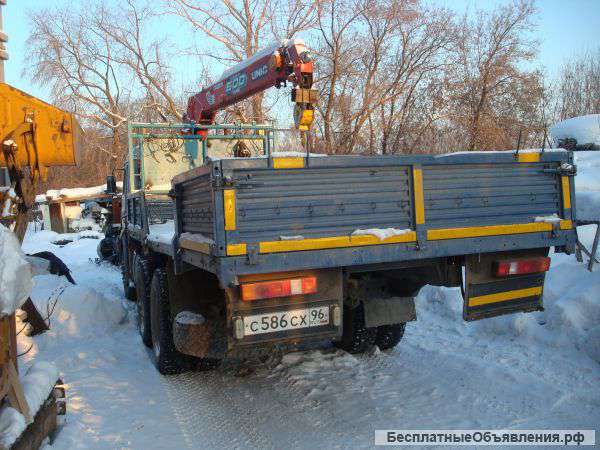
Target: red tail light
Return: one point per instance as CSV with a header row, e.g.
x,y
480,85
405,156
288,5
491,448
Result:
x,y
278,288
522,266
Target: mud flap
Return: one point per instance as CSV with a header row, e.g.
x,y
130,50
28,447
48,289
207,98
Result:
x,y
389,311
487,296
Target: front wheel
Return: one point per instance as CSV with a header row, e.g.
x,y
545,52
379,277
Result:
x,y
167,359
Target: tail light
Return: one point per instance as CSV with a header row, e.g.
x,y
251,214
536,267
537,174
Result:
x,y
278,288
522,266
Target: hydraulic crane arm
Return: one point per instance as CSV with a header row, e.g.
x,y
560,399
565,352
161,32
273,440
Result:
x,y
274,66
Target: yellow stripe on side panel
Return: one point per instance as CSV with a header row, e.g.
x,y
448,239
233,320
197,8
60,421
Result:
x,y
566,192
528,157
332,242
418,195
491,230
505,296
288,163
229,208
566,224
236,249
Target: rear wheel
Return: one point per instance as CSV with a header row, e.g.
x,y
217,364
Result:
x,y
167,359
356,337
143,278
388,336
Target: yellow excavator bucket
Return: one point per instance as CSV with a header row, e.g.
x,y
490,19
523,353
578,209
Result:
x,y
44,135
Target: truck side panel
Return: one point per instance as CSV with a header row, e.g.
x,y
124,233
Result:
x,y
484,194
196,202
280,204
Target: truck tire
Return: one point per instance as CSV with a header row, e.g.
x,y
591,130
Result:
x,y
143,278
356,338
388,336
167,359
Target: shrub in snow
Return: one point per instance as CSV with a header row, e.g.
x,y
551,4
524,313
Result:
x,y
15,273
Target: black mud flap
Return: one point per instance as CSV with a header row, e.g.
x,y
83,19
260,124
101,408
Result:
x,y
488,296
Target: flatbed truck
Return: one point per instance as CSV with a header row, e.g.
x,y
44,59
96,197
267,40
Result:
x,y
229,256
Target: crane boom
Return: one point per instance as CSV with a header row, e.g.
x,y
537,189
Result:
x,y
274,66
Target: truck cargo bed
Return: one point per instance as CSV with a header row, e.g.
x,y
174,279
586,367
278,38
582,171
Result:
x,y
240,216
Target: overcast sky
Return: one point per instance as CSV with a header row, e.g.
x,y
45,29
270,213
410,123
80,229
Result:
x,y
566,28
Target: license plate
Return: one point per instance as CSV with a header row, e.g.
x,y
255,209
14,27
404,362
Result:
x,y
286,320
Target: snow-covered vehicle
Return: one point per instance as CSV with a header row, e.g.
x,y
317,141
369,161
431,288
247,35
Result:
x,y
232,256
577,133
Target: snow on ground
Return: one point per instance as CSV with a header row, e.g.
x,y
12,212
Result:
x,y
524,371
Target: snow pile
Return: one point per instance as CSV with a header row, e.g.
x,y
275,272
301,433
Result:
x,y
15,273
77,311
585,130
84,224
197,237
162,232
381,233
297,237
553,218
12,424
587,185
37,384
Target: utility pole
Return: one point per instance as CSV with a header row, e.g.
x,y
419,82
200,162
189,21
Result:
x,y
3,57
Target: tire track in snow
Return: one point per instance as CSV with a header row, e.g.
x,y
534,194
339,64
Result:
x,y
211,416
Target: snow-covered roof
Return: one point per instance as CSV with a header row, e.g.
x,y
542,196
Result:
x,y
67,193
584,129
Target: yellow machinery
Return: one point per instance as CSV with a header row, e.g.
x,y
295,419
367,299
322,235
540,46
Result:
x,y
33,136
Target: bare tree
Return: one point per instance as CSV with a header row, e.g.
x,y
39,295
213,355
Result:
x,y
372,90
78,63
105,66
491,91
126,29
578,87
